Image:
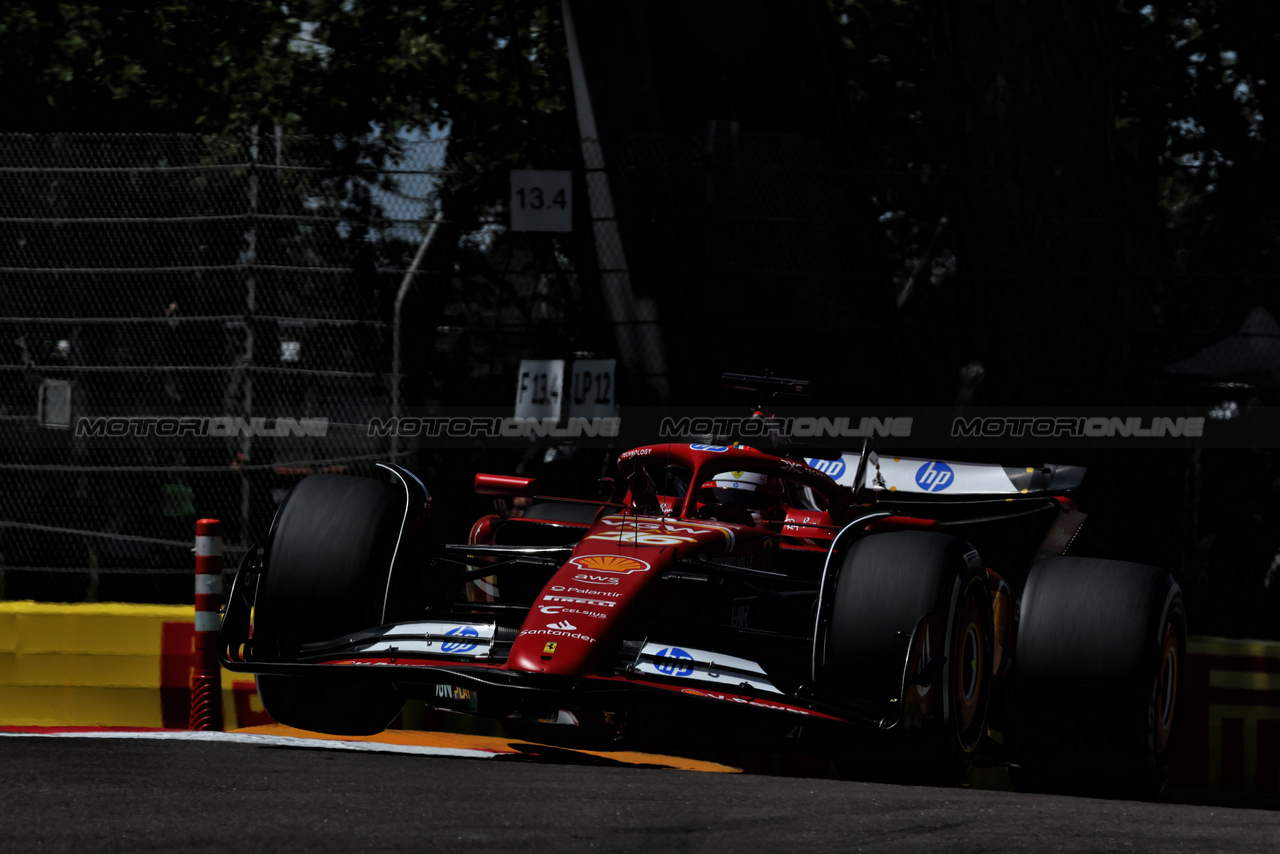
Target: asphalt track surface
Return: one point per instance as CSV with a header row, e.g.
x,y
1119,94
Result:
x,y
145,794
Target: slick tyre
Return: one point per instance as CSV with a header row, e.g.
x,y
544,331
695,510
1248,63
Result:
x,y
888,584
326,568
1096,689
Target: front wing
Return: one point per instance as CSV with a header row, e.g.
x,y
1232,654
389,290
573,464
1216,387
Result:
x,y
469,655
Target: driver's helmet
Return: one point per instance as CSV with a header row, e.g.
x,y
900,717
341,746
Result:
x,y
751,490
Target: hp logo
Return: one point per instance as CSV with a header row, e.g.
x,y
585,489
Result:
x,y
671,662
934,477
460,646
831,468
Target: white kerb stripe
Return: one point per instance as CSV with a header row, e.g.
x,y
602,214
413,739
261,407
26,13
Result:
x,y
207,621
208,546
208,583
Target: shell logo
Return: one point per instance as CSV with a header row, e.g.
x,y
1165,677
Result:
x,y
610,563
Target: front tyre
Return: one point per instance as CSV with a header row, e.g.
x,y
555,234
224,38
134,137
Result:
x,y
915,604
334,706
325,573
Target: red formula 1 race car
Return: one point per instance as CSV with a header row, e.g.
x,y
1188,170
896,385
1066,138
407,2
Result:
x,y
908,617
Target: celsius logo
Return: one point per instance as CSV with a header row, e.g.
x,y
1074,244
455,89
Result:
x,y
831,468
934,477
714,448
460,646
671,662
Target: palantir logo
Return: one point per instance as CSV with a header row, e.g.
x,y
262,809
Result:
x,y
667,658
934,477
831,468
460,646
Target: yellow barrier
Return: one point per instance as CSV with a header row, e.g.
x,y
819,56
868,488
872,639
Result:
x,y
108,664
117,665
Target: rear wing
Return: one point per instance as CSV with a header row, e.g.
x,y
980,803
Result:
x,y
924,476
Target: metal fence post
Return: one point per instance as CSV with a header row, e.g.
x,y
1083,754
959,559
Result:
x,y
427,240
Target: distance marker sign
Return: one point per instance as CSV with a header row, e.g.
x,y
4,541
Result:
x,y
591,388
541,200
539,387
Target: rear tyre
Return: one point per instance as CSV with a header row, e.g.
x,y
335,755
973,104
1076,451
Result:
x,y
887,584
1096,689
326,566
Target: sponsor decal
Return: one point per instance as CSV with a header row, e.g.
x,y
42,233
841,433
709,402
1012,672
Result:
x,y
643,538
459,646
611,563
656,531
934,476
831,468
561,609
594,592
563,626
673,661
556,633
715,449
729,698
602,603
549,648
601,580
452,692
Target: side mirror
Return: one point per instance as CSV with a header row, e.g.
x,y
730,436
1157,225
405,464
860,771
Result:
x,y
607,489
506,485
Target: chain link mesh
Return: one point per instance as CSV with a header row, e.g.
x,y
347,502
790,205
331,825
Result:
x,y
274,278
245,285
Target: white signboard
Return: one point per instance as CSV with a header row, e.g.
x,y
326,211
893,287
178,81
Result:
x,y
541,200
53,405
539,388
592,392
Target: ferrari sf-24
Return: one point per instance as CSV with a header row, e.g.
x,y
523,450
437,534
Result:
x,y
906,618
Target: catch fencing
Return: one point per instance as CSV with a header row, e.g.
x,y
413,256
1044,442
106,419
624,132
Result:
x,y
191,324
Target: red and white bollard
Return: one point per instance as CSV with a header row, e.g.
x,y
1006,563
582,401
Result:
x,y
206,674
